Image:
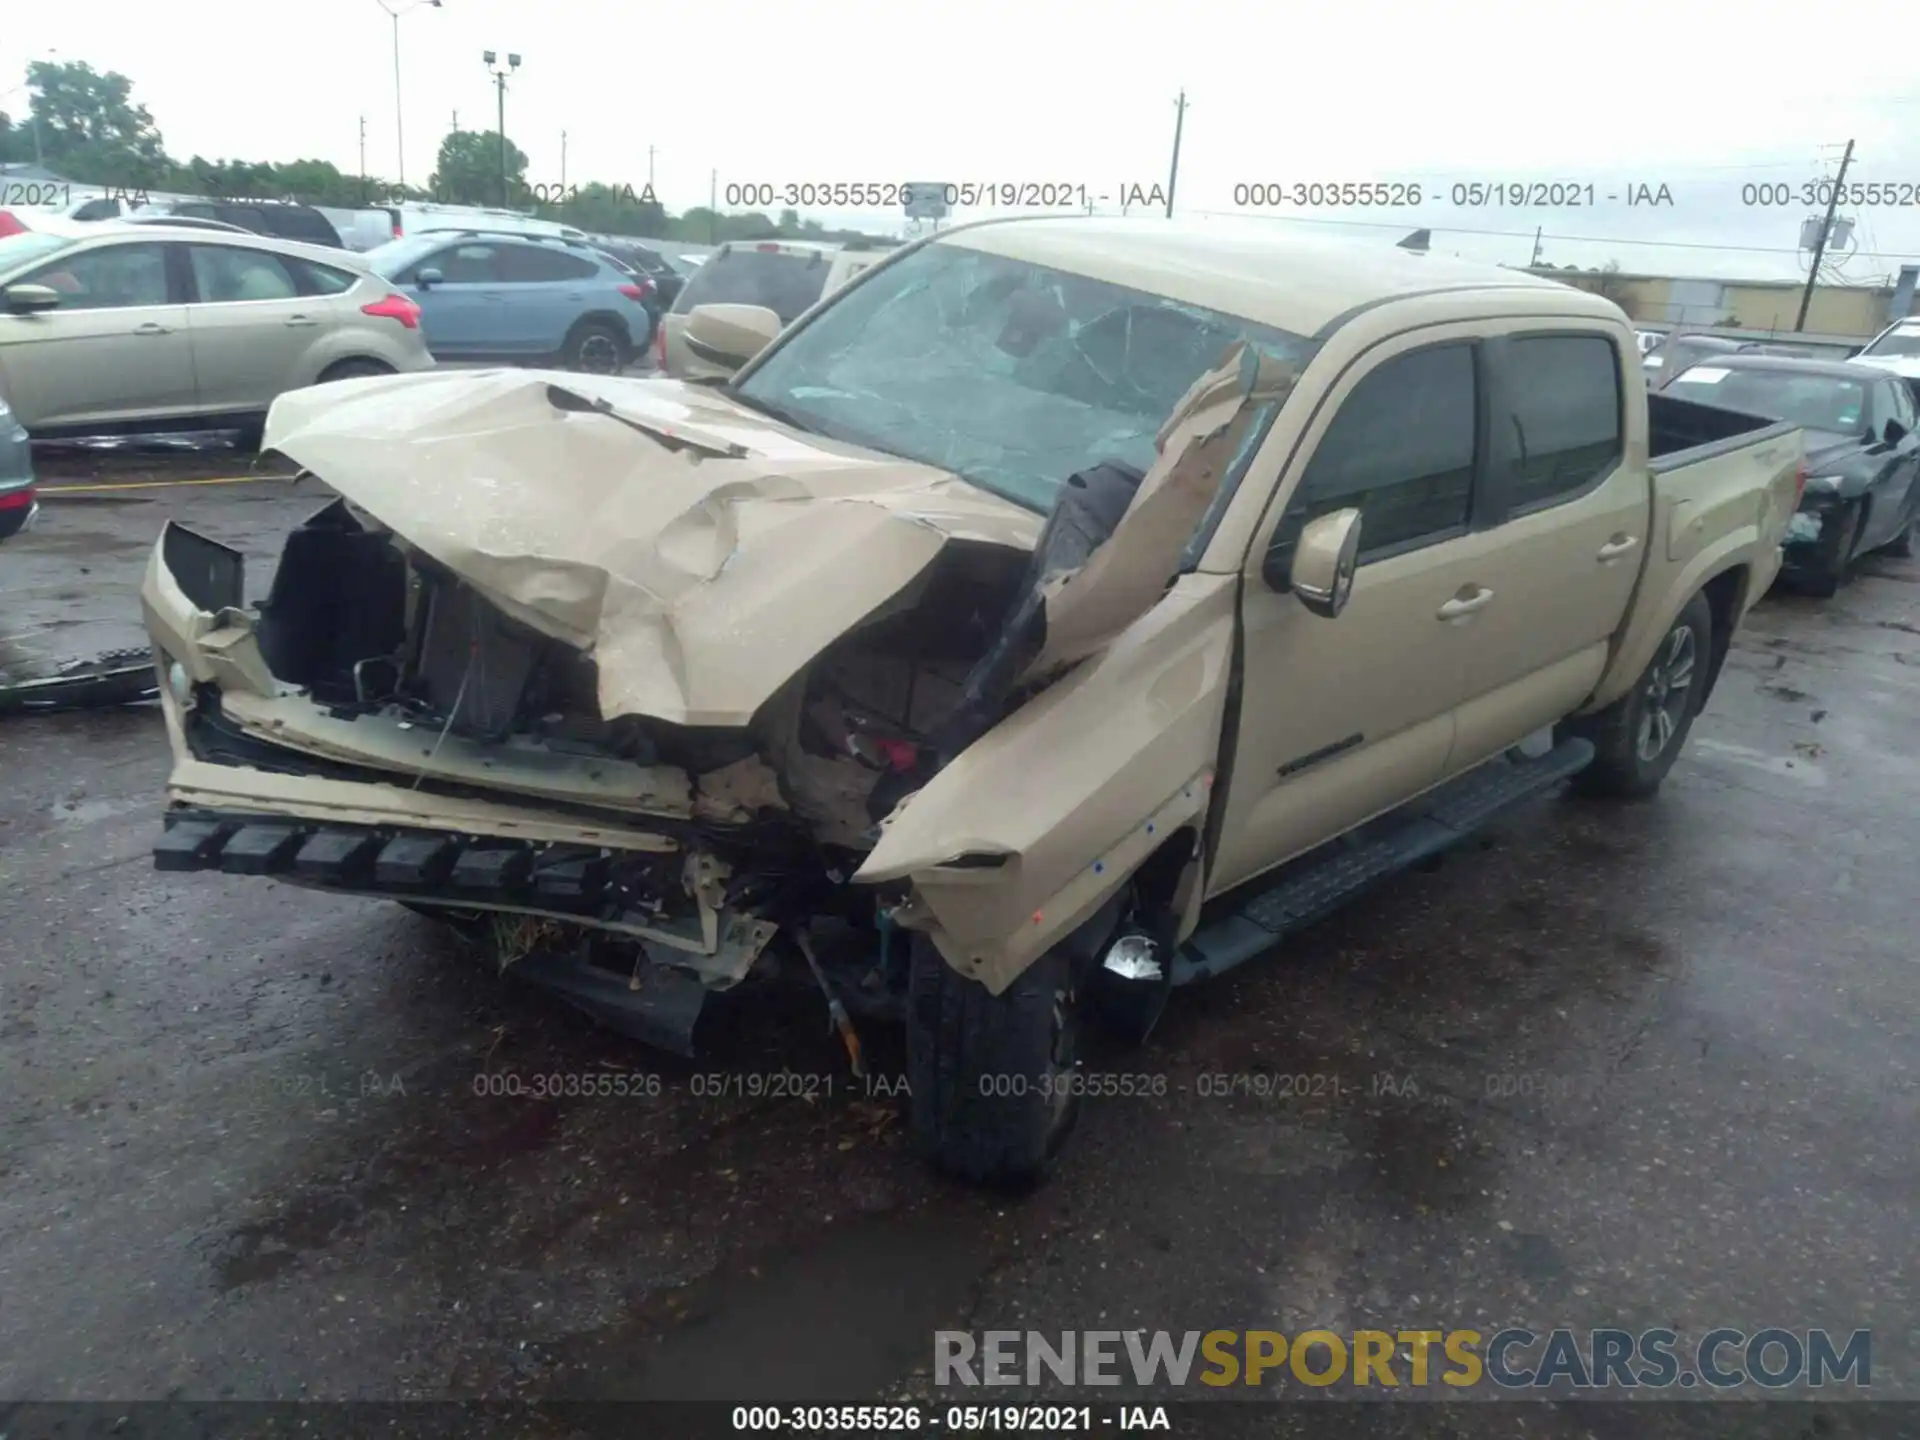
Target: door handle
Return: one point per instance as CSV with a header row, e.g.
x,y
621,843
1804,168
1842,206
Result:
x,y
300,320
1615,548
150,328
1465,604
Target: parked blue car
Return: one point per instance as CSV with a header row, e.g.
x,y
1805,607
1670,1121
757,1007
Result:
x,y
500,297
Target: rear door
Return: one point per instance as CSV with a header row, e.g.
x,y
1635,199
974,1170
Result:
x,y
1567,519
251,326
546,290
115,350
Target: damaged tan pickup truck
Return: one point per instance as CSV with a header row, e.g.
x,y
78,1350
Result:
x,y
1063,612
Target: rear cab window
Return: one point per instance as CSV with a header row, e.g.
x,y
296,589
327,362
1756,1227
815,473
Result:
x,y
1563,417
786,282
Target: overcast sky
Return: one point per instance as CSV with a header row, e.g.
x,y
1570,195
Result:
x,y
1703,99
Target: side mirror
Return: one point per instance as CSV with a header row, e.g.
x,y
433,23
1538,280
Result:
x,y
428,278
1324,559
1895,432
727,336
23,299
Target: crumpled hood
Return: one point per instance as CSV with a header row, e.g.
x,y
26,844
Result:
x,y
702,564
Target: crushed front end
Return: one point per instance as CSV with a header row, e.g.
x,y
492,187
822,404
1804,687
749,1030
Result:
x,y
376,726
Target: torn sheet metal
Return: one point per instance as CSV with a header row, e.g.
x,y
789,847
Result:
x,y
1221,415
700,579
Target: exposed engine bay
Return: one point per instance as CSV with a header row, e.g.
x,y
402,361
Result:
x,y
375,649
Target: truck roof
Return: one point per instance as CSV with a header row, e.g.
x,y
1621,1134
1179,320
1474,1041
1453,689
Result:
x,y
1302,284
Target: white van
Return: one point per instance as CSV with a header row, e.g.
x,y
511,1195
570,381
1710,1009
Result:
x,y
417,216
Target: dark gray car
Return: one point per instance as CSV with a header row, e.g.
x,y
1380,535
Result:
x,y
1862,453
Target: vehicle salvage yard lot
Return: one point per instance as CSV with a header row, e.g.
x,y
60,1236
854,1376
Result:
x,y
1651,1065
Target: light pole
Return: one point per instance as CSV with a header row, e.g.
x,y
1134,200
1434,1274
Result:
x,y
492,59
394,12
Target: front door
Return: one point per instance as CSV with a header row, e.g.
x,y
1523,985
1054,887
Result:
x,y
1342,718
463,315
114,351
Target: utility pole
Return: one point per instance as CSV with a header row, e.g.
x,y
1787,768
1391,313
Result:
x,y
649,167
399,125
1534,264
1820,244
456,122
563,164
713,209
491,59
1173,174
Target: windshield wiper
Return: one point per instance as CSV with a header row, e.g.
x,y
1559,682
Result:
x,y
571,400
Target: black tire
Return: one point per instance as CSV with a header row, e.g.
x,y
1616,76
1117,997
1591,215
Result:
x,y
352,370
990,1075
1829,570
1634,747
596,346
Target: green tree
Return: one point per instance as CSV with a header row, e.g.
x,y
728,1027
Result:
x,y
89,118
468,169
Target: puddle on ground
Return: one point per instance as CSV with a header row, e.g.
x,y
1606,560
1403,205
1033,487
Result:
x,y
850,1314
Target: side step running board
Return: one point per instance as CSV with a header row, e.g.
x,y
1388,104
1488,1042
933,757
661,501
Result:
x,y
1318,883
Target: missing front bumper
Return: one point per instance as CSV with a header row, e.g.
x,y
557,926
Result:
x,y
657,999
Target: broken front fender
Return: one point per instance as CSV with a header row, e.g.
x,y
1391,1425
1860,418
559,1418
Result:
x,y
1032,828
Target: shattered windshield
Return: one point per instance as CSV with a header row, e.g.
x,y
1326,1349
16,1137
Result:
x,y
1009,374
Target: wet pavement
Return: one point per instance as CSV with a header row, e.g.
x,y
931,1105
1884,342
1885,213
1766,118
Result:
x,y
1613,1066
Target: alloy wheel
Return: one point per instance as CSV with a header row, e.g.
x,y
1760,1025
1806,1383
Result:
x,y
1668,691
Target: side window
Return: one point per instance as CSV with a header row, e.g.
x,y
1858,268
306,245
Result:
x,y
468,265
102,209
200,210
536,264
225,273
112,277
1400,450
1564,417
318,279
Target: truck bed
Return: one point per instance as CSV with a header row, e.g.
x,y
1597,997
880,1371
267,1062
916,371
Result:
x,y
1677,429
1725,484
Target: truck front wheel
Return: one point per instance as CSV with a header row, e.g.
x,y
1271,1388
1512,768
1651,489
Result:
x,y
991,1076
1638,737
